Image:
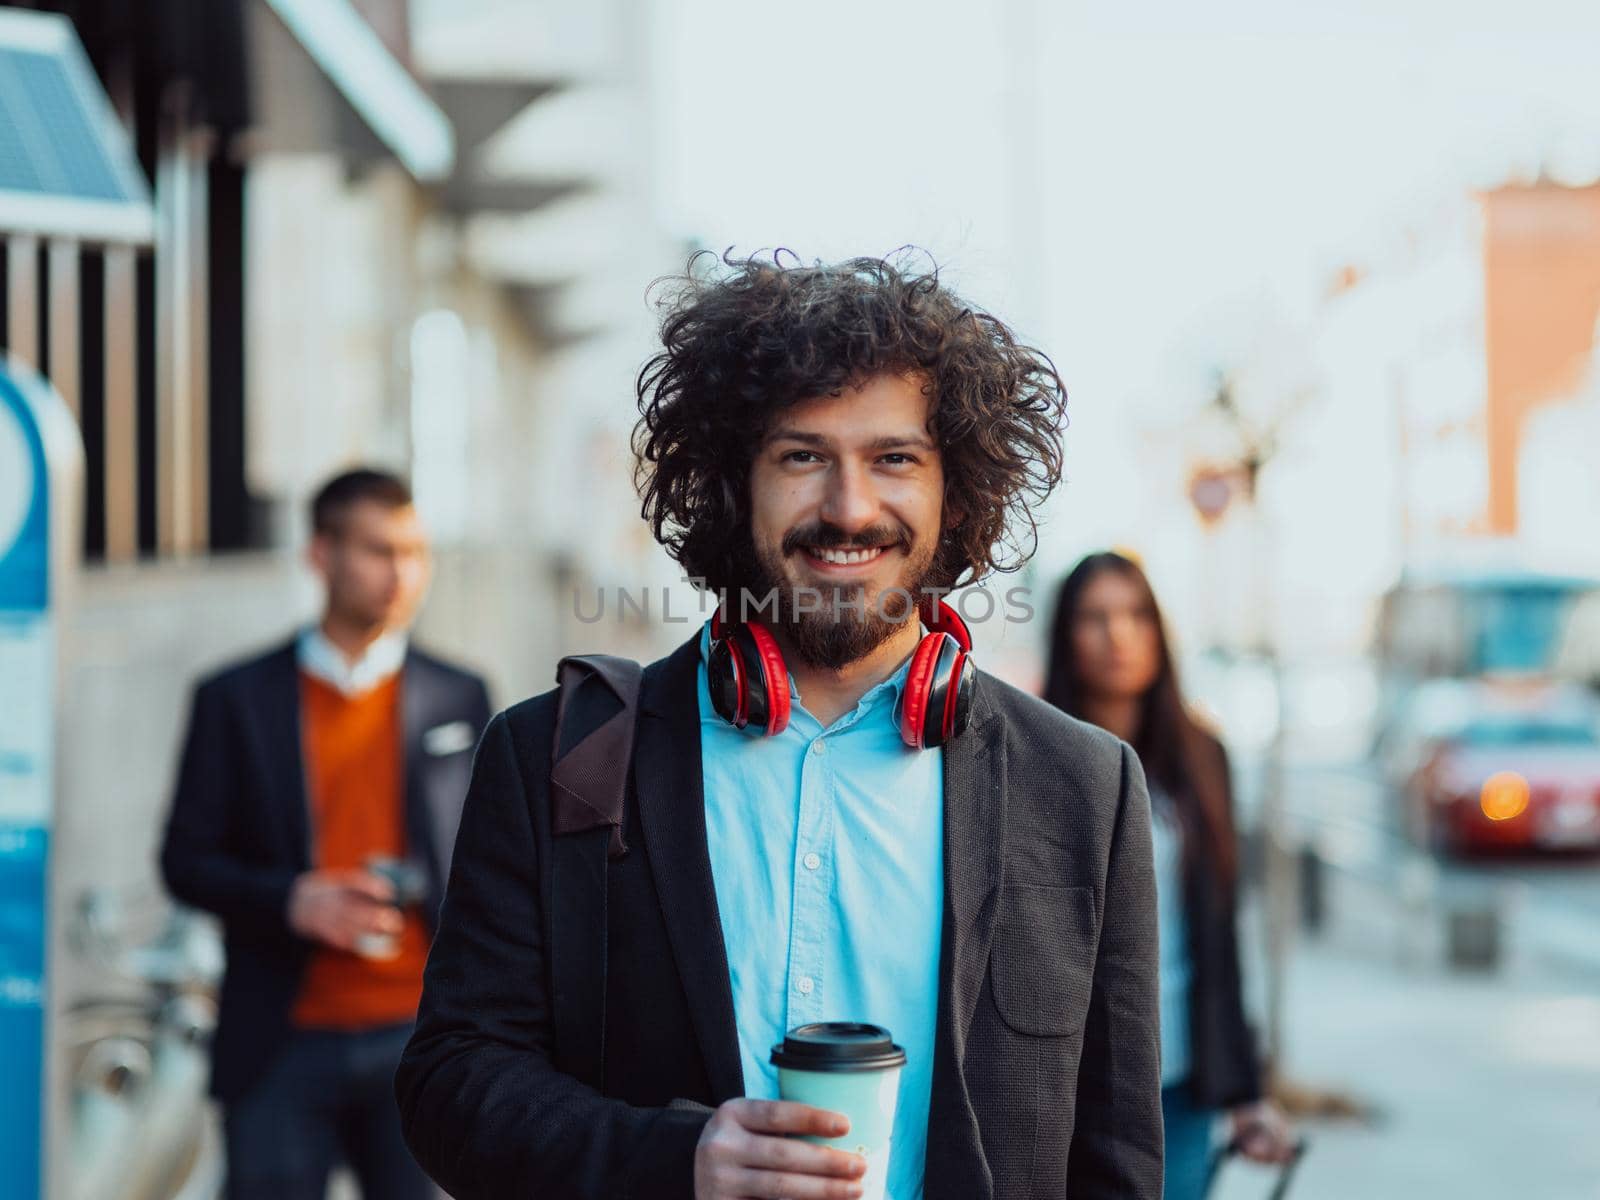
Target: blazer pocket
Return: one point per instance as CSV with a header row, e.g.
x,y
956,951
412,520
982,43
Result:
x,y
450,738
1042,967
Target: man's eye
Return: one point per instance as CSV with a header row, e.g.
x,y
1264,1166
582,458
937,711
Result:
x,y
895,460
800,456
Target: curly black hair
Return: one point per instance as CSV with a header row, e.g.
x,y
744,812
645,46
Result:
x,y
744,338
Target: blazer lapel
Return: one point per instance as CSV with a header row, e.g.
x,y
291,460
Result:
x,y
670,791
421,814
277,717
974,826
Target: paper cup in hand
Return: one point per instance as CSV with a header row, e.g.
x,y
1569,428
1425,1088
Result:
x,y
852,1069
407,877
377,945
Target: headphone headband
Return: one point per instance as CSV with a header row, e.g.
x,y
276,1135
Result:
x,y
941,617
749,682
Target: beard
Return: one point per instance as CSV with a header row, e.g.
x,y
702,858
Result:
x,y
832,625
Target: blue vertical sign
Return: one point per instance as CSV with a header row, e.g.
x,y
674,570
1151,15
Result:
x,y
27,759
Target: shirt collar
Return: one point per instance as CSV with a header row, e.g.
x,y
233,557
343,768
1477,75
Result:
x,y
320,658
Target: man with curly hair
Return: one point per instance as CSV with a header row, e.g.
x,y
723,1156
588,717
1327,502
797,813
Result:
x,y
831,815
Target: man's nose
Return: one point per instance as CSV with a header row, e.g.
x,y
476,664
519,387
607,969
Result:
x,y
851,503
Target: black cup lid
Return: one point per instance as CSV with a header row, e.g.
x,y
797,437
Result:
x,y
838,1046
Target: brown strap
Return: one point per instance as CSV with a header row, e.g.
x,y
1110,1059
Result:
x,y
595,714
589,779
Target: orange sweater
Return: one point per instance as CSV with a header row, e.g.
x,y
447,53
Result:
x,y
355,774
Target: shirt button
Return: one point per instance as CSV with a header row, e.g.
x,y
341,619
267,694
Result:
x,y
805,984
812,861
819,747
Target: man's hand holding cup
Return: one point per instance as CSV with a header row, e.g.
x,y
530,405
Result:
x,y
753,1148
348,909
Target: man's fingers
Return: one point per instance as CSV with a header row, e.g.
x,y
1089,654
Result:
x,y
778,1185
344,927
776,1155
786,1116
339,937
369,919
369,886
381,920
743,1152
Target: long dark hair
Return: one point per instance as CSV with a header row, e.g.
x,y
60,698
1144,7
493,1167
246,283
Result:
x,y
1176,752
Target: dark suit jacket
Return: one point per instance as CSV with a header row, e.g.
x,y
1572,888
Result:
x,y
1045,1077
1224,1067
238,833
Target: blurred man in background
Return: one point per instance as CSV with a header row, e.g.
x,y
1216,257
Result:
x,y
316,809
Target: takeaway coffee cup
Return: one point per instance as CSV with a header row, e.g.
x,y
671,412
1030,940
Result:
x,y
406,876
410,884
852,1069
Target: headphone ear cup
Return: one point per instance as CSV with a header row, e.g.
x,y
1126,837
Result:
x,y
723,680
951,699
767,687
919,676
942,679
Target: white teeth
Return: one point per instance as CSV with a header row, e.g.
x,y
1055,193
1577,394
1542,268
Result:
x,y
845,557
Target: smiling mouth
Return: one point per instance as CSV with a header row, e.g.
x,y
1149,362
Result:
x,y
840,556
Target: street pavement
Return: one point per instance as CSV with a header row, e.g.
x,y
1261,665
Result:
x,y
1487,1086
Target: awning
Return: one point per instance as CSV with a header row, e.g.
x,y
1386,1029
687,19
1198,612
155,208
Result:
x,y
383,94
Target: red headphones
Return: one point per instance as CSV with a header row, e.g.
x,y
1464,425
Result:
x,y
750,683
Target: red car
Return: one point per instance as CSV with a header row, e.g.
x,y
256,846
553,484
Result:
x,y
1516,775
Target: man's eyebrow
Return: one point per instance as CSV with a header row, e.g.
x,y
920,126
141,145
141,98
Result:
x,y
887,442
902,441
786,434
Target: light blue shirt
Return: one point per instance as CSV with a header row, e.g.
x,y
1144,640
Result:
x,y
1173,929
827,855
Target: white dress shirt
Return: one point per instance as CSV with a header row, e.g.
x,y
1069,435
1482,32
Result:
x,y
319,657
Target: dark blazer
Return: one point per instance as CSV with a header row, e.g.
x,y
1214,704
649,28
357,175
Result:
x,y
239,831
1224,1067
1045,1077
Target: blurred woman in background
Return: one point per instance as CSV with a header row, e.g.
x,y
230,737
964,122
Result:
x,y
1110,665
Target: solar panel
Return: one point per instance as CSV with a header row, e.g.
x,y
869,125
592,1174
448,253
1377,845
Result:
x,y
66,168
46,144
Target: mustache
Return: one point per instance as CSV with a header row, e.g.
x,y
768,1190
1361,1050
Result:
x,y
831,537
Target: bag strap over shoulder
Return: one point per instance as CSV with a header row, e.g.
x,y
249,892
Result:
x,y
596,714
595,719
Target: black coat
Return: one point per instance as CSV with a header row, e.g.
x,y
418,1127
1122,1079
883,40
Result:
x,y
1224,1070
1045,1076
239,829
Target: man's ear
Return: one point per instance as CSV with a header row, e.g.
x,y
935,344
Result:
x,y
319,553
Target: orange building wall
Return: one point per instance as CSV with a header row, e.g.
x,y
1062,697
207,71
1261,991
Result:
x,y
1541,300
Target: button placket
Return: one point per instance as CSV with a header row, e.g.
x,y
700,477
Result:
x,y
810,891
